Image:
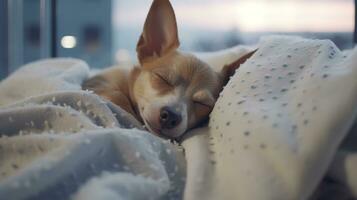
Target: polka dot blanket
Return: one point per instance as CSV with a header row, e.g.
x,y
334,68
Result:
x,y
277,125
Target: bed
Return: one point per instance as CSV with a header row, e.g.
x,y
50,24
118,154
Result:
x,y
281,129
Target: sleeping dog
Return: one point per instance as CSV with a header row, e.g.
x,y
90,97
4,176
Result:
x,y
171,91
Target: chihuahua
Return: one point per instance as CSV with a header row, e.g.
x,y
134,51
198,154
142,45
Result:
x,y
171,91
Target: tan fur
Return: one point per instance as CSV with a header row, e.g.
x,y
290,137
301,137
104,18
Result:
x,y
166,77
113,85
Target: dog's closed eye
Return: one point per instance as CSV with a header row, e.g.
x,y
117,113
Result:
x,y
199,103
161,79
203,98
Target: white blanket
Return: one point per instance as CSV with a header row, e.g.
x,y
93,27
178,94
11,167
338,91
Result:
x,y
277,125
272,135
59,142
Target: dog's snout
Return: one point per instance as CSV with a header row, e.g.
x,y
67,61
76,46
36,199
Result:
x,y
169,118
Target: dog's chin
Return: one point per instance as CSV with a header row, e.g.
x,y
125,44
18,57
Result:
x,y
152,129
159,132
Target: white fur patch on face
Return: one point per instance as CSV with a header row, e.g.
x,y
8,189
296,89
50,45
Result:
x,y
151,106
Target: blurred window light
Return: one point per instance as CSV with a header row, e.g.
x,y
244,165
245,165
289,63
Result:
x,y
123,56
68,41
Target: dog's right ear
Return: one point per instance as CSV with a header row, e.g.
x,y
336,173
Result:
x,y
229,69
159,36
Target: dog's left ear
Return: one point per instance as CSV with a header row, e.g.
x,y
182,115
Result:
x,y
229,69
159,36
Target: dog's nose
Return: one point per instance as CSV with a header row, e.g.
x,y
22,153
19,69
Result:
x,y
169,118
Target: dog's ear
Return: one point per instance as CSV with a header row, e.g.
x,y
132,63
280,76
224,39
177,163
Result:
x,y
229,69
159,36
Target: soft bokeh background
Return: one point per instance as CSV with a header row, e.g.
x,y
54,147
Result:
x,y
207,25
105,32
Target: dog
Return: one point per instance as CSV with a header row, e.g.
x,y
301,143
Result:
x,y
170,91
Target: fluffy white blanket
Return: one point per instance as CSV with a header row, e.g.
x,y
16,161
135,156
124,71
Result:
x,y
58,142
273,133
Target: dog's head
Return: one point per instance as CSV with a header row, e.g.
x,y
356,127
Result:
x,y
174,91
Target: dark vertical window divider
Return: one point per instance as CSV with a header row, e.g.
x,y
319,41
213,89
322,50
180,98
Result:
x,y
3,40
53,28
355,28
